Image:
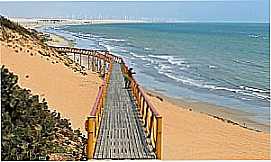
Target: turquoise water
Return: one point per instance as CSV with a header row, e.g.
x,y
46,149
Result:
x,y
222,63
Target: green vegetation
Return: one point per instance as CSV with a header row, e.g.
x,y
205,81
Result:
x,y
16,27
30,131
6,23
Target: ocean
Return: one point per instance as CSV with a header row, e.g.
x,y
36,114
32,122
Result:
x,y
226,64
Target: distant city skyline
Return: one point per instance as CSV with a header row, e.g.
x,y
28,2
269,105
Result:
x,y
187,11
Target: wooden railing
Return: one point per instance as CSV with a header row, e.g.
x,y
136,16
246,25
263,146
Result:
x,y
94,120
101,54
151,119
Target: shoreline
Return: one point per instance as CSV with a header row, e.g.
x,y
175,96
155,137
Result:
x,y
190,135
58,40
222,113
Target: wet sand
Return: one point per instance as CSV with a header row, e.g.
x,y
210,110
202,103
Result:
x,y
225,114
56,40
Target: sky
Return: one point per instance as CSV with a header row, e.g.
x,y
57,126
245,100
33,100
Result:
x,y
189,10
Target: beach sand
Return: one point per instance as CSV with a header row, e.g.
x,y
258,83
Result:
x,y
193,135
225,114
67,91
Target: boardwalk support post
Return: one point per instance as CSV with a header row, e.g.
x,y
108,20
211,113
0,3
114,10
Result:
x,y
158,150
90,127
92,63
80,59
88,62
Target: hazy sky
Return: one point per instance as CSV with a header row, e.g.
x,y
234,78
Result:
x,y
189,10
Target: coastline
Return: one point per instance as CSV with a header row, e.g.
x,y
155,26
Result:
x,y
33,23
225,114
187,134
58,40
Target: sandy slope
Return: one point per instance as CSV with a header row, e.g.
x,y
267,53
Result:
x,y
192,135
69,92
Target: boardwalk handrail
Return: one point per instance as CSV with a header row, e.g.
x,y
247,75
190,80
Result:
x,y
152,120
73,49
93,122
96,53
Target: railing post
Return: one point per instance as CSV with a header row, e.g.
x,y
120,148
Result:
x,y
88,62
92,63
80,59
158,148
90,127
138,100
142,107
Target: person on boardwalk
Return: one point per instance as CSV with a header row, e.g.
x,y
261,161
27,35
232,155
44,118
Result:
x,y
127,77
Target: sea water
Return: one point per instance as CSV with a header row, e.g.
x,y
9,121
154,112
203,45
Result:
x,y
226,64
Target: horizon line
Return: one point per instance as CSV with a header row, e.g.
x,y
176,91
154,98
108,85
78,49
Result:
x,y
141,20
132,0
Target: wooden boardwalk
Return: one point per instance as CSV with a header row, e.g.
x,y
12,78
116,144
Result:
x,y
121,134
122,124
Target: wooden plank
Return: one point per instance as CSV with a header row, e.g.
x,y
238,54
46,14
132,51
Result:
x,y
134,150
136,138
121,134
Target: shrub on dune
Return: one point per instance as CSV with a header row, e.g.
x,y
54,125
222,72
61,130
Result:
x,y
30,131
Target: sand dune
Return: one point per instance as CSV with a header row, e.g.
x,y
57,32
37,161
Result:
x,y
69,92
